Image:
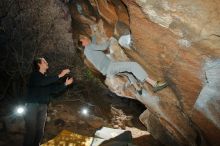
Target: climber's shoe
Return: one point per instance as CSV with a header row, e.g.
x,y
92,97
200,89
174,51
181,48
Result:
x,y
159,86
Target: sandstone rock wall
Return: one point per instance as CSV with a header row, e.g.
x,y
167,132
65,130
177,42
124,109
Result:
x,y
176,41
179,51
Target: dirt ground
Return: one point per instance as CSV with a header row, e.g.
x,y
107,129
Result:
x,y
105,109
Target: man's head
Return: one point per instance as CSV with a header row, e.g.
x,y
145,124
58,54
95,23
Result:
x,y
84,40
40,64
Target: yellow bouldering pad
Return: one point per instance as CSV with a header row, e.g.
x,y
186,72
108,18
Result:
x,y
67,138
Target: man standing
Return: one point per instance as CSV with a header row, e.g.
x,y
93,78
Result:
x,y
40,89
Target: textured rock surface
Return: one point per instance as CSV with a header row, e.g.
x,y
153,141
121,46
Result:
x,y
195,21
176,41
182,65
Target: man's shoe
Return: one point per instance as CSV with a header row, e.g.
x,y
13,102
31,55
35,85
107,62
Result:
x,y
159,86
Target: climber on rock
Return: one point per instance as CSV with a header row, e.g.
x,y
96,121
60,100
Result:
x,y
94,53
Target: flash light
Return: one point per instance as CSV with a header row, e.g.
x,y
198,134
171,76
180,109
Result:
x,y
85,111
20,110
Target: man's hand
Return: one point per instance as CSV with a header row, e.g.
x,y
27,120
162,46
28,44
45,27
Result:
x,y
63,73
68,81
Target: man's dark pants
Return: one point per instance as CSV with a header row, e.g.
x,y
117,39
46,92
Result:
x,y
35,119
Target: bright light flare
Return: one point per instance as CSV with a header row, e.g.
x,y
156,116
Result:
x,y
85,111
20,110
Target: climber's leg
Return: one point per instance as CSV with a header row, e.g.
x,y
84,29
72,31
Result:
x,y
138,72
151,81
132,67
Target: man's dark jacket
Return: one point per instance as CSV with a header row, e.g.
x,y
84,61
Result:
x,y
42,87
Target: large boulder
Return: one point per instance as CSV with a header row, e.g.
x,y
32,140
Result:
x,y
176,41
